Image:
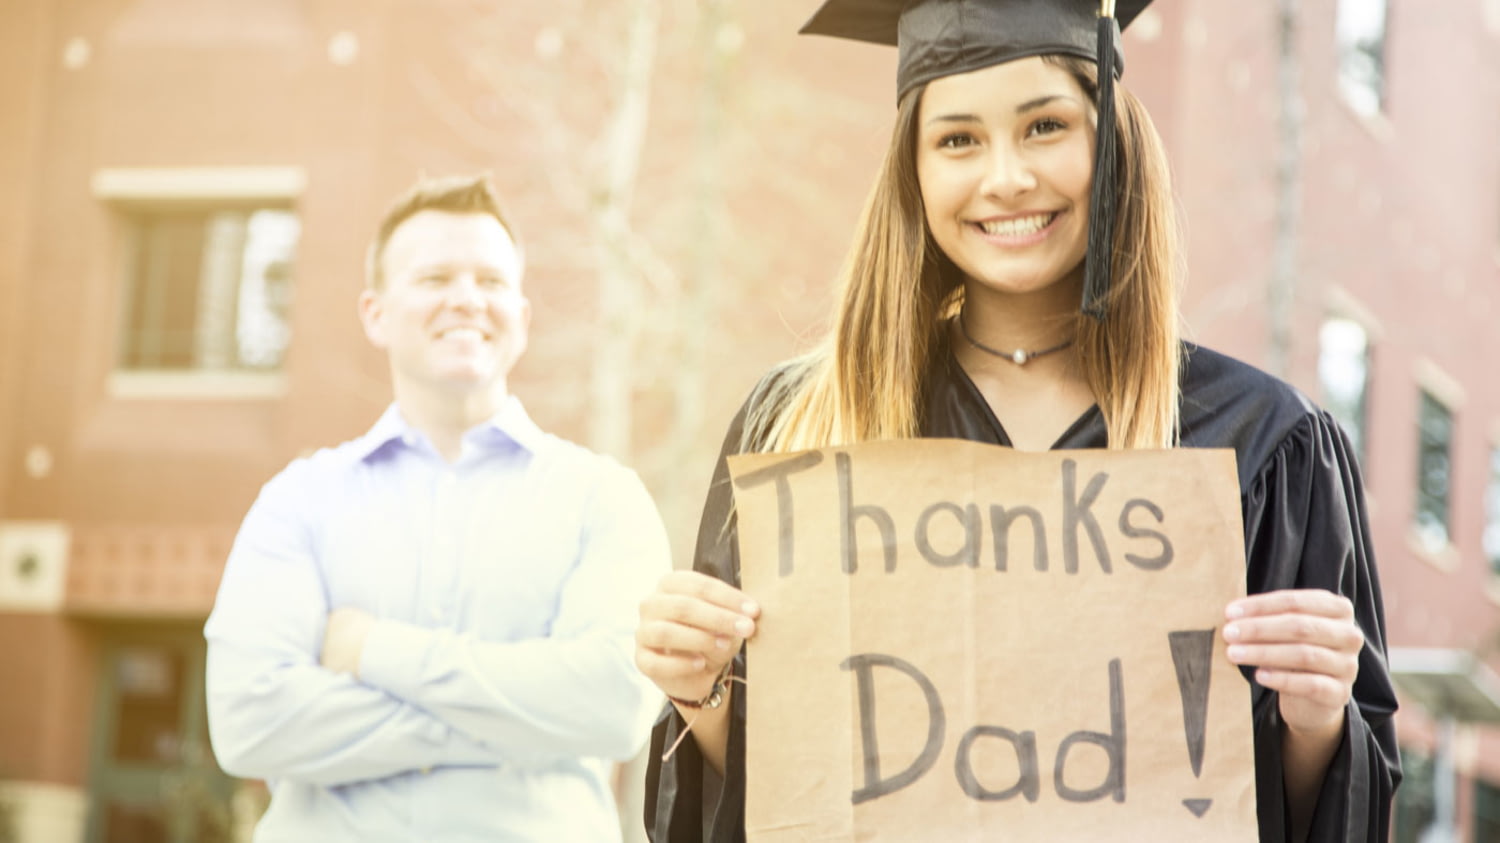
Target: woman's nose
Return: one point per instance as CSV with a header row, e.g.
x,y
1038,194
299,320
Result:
x,y
1007,174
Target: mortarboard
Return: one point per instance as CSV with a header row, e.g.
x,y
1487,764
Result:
x,y
936,38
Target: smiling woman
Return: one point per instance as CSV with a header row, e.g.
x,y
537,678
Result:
x,y
1004,158
1013,281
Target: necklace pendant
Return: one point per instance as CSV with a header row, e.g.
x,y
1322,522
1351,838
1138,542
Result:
x,y
1019,356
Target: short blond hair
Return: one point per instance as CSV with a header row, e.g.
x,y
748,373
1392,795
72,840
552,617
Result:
x,y
452,194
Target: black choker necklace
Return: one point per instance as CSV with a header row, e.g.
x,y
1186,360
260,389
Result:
x,y
1020,356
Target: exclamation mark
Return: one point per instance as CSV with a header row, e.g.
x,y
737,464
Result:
x,y
1192,653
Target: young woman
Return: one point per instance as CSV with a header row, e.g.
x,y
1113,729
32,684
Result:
x,y
959,317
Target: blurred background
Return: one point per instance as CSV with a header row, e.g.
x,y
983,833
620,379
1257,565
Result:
x,y
189,185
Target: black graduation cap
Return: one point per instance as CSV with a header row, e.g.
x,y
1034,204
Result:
x,y
936,38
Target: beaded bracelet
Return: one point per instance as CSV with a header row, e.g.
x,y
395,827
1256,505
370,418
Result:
x,y
716,694
714,699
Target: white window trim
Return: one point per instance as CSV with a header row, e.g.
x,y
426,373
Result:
x,y
1445,558
168,184
45,811
1378,124
1340,303
1441,385
197,386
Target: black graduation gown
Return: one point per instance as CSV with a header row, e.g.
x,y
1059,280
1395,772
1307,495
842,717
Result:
x,y
1305,527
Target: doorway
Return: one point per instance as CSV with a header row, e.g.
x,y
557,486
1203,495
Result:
x,y
153,778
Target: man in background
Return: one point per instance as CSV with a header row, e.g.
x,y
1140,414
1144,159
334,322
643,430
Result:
x,y
426,633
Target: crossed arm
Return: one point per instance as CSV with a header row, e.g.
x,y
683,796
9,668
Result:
x,y
302,689
274,712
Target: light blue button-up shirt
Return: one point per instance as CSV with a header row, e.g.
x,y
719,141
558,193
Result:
x,y
499,682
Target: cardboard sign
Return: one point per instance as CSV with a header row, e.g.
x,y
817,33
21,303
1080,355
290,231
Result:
x,y
964,642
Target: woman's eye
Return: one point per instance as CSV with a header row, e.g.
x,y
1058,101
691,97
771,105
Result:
x,y
1047,125
956,141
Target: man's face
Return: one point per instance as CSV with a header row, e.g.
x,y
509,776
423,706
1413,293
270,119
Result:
x,y
451,315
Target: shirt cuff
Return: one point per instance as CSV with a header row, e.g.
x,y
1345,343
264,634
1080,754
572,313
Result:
x,y
393,657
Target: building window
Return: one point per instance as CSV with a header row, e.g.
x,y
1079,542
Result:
x,y
1434,472
1414,798
1486,812
1344,372
1360,31
207,287
1491,541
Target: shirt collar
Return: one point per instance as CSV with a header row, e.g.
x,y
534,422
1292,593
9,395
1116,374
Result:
x,y
390,427
510,424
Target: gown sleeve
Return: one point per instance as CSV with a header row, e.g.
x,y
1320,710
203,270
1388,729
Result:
x,y
685,800
1306,526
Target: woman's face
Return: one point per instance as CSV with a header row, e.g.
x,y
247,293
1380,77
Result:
x,y
1005,159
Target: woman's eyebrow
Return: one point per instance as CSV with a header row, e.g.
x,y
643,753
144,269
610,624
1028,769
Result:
x,y
1029,105
1038,102
953,118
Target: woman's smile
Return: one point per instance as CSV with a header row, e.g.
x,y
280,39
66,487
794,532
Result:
x,y
1021,230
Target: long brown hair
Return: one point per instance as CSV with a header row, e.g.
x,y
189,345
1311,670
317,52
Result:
x,y
863,381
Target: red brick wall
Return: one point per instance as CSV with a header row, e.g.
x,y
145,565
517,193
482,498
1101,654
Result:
x,y
1401,215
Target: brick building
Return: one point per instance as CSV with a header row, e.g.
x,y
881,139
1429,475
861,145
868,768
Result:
x,y
192,183
1391,301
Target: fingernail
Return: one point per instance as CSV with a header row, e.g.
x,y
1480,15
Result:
x,y
750,607
699,663
1231,632
1235,610
744,627
721,643
1236,653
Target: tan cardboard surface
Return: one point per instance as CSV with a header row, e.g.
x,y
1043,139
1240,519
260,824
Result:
x,y
964,642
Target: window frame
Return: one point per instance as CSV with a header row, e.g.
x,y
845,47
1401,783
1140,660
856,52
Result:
x,y
1355,91
1490,509
1448,393
133,190
1361,435
1486,805
1413,805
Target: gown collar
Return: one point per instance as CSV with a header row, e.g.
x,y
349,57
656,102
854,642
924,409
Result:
x,y
955,408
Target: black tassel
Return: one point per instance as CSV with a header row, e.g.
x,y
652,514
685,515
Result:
x,y
1103,195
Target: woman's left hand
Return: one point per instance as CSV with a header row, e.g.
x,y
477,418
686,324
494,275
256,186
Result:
x,y
1305,645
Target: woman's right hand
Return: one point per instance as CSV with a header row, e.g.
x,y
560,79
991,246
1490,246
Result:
x,y
691,627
